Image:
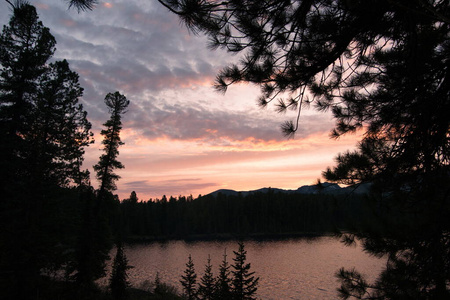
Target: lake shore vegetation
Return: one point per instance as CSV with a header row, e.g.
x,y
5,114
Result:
x,y
234,282
258,216
381,67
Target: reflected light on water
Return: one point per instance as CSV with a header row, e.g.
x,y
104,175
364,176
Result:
x,y
288,269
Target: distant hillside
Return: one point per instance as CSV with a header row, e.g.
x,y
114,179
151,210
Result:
x,y
324,188
263,213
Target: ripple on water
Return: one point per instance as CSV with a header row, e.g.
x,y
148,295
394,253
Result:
x,y
288,269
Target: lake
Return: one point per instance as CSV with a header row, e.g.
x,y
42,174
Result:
x,y
288,269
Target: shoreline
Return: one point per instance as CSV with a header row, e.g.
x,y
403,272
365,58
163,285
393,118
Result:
x,y
228,237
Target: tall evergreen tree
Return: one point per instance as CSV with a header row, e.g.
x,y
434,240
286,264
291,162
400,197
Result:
x,y
223,281
42,138
62,130
25,47
244,284
381,67
118,282
89,262
95,236
207,283
117,105
133,198
189,281
40,113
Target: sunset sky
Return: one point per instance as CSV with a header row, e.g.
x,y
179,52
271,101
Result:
x,y
181,136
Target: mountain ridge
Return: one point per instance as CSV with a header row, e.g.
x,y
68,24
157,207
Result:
x,y
324,188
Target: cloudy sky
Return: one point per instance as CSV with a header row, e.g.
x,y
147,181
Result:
x,y
181,137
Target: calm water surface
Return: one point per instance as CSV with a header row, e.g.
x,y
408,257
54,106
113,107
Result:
x,y
288,269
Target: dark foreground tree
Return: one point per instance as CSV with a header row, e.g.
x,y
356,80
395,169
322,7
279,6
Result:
x,y
244,285
43,134
223,281
94,241
189,281
118,282
117,105
381,67
207,283
44,127
82,5
93,244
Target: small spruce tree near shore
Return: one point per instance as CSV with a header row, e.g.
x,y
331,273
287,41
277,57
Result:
x,y
189,280
222,288
244,284
239,284
118,282
207,283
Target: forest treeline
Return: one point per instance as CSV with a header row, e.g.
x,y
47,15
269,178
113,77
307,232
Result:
x,y
271,214
358,59
54,222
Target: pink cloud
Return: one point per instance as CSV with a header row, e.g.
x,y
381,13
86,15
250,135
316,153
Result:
x,y
283,164
181,143
68,23
107,5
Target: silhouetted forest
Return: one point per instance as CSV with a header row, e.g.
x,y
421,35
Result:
x,y
382,69
56,224
380,66
254,215
53,220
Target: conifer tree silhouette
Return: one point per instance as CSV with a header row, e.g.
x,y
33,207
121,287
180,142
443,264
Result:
x,y
117,105
119,282
189,281
223,281
207,283
244,285
44,131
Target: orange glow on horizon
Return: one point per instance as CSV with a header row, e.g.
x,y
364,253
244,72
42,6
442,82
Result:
x,y
155,167
310,142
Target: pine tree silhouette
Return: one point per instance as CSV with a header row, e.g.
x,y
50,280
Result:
x,y
189,280
244,284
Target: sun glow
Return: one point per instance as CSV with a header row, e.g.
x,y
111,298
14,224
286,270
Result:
x,y
242,165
